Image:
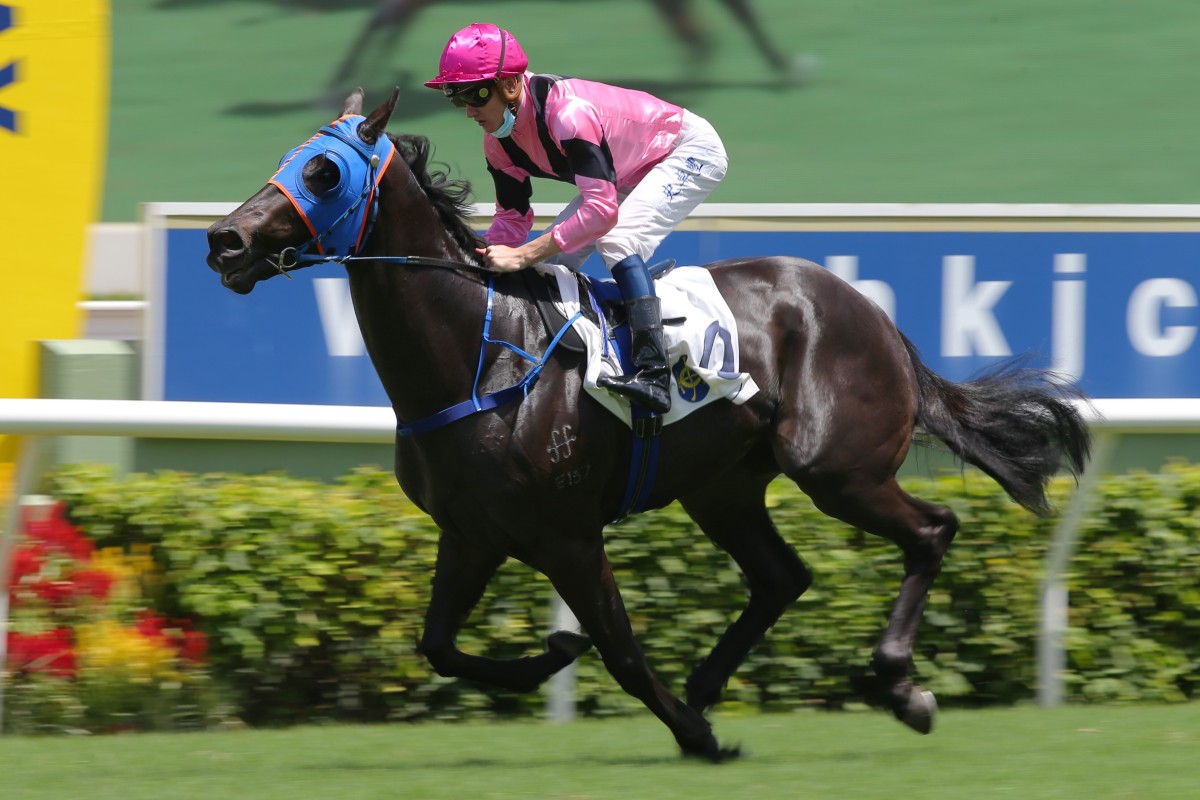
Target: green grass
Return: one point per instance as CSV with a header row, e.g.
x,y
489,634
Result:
x,y
928,100
1017,754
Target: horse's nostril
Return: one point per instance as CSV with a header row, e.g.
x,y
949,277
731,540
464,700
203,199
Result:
x,y
226,242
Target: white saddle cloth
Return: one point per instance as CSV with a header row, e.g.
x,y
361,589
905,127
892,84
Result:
x,y
703,351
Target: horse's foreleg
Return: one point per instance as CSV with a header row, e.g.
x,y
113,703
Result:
x,y
736,520
461,575
583,577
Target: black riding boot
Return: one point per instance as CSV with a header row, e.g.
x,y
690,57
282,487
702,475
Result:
x,y
650,386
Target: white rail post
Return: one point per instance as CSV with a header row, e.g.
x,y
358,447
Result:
x,y
26,475
560,698
1052,654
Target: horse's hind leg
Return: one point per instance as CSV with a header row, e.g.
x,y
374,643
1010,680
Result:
x,y
735,518
461,575
923,532
581,574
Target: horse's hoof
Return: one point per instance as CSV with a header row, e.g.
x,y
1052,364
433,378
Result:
x,y
919,711
728,754
714,754
568,644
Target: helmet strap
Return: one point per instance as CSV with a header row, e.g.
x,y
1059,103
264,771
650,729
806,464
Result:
x,y
503,45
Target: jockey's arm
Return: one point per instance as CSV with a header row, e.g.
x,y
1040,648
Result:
x,y
510,259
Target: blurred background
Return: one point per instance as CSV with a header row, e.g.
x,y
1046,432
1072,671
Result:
x,y
866,100
858,101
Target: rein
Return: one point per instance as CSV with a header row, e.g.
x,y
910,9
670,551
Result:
x,y
291,259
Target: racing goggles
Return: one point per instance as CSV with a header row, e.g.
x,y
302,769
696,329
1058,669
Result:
x,y
476,95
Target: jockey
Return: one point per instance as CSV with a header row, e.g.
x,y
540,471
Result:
x,y
641,166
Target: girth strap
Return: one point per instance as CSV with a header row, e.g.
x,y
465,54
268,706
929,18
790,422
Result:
x,y
643,461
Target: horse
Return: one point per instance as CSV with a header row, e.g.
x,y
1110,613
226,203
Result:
x,y
841,393
391,18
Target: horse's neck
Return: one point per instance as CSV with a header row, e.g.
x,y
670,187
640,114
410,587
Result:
x,y
421,325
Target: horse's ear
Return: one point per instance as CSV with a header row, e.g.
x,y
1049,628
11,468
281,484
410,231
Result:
x,y
354,103
370,130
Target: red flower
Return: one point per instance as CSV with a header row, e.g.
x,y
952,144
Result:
x,y
50,652
150,625
27,561
93,583
190,644
55,532
57,593
193,646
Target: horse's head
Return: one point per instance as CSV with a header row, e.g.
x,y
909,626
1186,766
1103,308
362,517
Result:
x,y
320,199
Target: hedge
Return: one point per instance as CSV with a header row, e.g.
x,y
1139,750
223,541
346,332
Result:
x,y
313,595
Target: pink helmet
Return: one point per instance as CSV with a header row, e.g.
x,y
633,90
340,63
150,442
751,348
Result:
x,y
479,52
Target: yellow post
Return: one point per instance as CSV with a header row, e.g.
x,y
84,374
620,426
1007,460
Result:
x,y
54,87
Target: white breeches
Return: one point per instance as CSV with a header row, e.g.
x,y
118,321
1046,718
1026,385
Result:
x,y
664,198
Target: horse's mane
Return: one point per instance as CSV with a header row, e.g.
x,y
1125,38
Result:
x,y
450,196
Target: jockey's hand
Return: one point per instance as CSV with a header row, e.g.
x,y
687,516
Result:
x,y
502,258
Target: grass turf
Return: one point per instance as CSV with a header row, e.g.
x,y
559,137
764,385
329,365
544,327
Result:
x,y
1148,753
924,101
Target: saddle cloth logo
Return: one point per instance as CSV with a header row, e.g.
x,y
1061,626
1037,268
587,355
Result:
x,y
688,383
703,350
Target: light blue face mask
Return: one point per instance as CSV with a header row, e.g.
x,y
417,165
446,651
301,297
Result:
x,y
506,127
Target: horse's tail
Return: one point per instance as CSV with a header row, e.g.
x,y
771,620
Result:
x,y
1016,423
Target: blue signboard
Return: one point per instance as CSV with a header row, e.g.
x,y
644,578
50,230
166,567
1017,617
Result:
x,y
1117,311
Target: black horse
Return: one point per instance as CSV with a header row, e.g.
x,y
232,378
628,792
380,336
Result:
x,y
841,391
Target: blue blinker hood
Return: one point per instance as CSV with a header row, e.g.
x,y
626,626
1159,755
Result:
x,y
339,220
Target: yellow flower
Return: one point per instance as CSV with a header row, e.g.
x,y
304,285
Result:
x,y
119,652
135,572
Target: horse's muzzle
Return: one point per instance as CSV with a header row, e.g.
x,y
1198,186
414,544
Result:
x,y
234,261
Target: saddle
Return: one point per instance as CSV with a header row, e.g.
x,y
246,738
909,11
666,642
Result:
x,y
538,284
605,302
